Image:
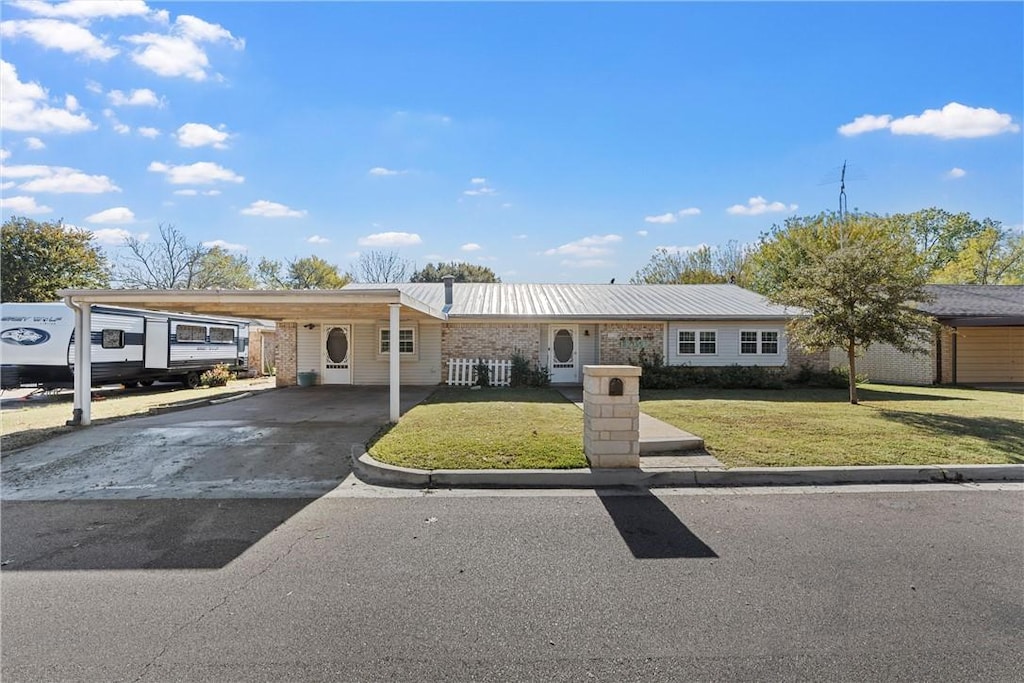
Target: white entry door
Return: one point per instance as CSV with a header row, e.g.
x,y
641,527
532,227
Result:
x,y
563,354
337,353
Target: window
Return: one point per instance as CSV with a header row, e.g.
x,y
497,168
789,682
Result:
x,y
406,341
191,333
697,342
759,341
222,335
113,339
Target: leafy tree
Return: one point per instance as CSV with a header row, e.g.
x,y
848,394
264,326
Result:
x,y
311,272
705,265
856,278
940,236
463,272
37,259
219,269
993,257
382,266
170,262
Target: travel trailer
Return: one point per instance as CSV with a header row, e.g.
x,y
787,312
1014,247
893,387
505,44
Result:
x,y
129,346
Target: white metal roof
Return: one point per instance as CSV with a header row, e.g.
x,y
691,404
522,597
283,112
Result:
x,y
594,302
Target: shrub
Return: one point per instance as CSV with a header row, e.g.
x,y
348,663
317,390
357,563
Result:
x,y
836,378
656,375
523,374
217,376
483,374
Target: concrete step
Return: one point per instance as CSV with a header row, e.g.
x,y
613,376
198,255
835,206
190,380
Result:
x,y
669,444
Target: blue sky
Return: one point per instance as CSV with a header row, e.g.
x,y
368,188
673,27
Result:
x,y
550,142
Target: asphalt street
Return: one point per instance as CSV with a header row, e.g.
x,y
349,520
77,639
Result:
x,y
854,584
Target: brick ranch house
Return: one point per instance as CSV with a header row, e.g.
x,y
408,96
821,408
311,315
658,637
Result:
x,y
345,336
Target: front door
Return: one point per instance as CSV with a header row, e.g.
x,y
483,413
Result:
x,y
563,354
337,353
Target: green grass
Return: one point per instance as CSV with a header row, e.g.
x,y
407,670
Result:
x,y
493,428
893,425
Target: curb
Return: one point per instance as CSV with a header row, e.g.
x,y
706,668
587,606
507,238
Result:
x,y
161,410
374,472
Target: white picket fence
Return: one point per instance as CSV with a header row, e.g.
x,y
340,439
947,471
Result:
x,y
462,372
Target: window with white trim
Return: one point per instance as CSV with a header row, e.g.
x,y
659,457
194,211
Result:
x,y
190,333
406,340
222,335
764,342
697,342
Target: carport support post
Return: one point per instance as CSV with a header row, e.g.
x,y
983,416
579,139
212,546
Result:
x,y
394,379
83,364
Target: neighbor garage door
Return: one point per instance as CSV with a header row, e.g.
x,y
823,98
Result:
x,y
990,354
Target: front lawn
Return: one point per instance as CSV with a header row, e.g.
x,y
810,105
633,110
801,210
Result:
x,y
893,425
494,428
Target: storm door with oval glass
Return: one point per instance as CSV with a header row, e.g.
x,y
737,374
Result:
x,y
337,352
563,354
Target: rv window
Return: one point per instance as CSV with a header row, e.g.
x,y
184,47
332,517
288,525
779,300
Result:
x,y
113,339
222,335
191,333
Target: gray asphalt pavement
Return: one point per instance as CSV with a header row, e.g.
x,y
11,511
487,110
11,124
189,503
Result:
x,y
840,584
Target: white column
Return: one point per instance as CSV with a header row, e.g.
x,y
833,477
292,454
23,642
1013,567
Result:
x,y
83,362
394,376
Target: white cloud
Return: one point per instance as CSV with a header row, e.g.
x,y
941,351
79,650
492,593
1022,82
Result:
x,y
587,247
193,193
661,218
26,109
226,246
269,209
59,35
507,205
471,246
692,211
199,173
147,132
85,10
7,185
4,154
114,236
119,214
200,134
71,103
953,121
142,97
478,181
380,171
317,239
59,180
480,191
756,206
955,173
390,239
865,124
26,205
35,143
521,236
179,52
93,87
642,233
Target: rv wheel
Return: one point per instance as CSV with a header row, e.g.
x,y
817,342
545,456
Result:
x,y
129,385
146,382
191,380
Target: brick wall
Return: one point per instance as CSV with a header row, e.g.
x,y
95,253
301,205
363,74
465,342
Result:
x,y
490,341
621,342
883,363
946,340
797,357
287,361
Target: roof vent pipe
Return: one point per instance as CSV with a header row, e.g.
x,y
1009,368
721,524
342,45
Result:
x,y
449,281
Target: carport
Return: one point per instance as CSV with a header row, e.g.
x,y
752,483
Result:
x,y
276,305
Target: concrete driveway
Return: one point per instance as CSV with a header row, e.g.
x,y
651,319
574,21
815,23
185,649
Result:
x,y
286,443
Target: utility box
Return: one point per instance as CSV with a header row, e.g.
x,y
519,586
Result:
x,y
611,415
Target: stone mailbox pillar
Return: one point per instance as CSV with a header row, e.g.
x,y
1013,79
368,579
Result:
x,y
611,415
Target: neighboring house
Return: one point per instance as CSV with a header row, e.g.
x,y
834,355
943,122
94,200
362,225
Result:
x,y
979,340
562,327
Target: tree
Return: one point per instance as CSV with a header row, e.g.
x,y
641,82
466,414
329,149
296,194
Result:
x,y
219,269
37,259
704,265
381,266
938,235
993,257
857,279
311,272
168,263
463,272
